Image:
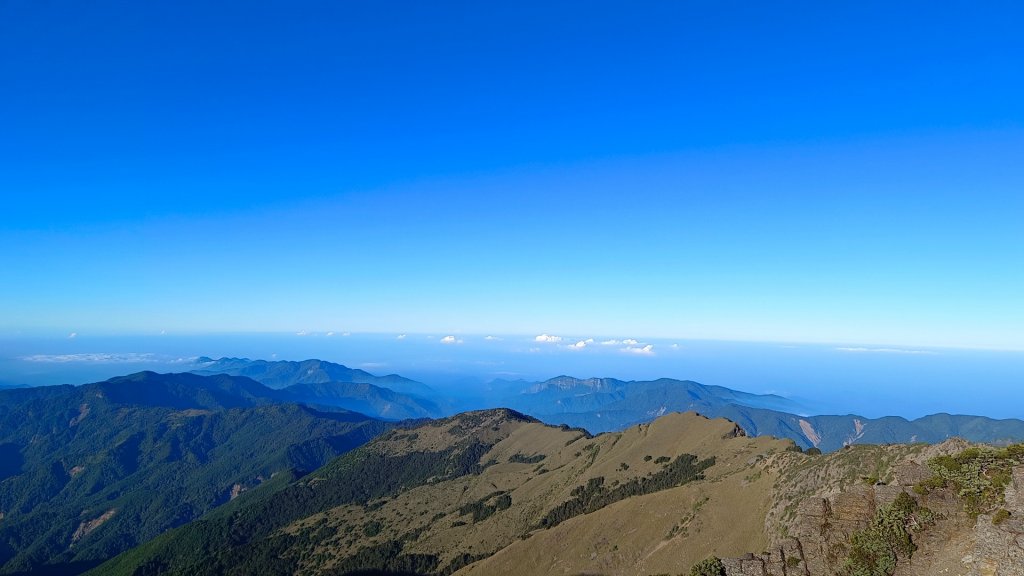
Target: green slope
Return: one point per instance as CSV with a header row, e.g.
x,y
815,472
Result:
x,y
91,471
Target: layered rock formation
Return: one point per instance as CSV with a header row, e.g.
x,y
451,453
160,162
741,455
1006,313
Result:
x,y
999,540
954,544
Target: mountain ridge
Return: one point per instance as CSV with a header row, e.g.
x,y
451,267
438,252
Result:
x,y
91,470
607,404
283,373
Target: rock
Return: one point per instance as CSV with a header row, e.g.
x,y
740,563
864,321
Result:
x,y
910,473
1015,491
999,549
752,566
885,495
735,432
785,559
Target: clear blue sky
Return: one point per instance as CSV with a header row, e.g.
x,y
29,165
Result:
x,y
795,171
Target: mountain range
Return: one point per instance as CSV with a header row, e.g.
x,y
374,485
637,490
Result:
x,y
281,480
89,471
283,373
606,404
324,383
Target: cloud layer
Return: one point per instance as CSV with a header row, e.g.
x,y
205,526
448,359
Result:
x,y
883,351
106,358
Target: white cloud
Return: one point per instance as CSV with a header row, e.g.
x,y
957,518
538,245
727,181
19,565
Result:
x,y
548,338
346,333
302,333
100,357
884,351
400,337
329,334
674,346
491,338
73,335
645,350
630,342
580,345
610,343
451,340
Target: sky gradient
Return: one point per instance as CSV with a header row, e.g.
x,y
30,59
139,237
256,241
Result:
x,y
794,172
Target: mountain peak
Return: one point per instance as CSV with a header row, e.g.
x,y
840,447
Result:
x,y
569,382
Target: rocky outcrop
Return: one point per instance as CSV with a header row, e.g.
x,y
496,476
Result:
x,y
785,559
821,530
87,527
999,540
735,432
910,473
823,525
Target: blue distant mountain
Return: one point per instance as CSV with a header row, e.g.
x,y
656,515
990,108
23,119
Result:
x,y
607,404
282,373
323,383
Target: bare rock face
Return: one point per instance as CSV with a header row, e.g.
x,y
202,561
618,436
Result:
x,y
1015,491
910,473
824,525
785,559
999,542
954,543
735,432
820,532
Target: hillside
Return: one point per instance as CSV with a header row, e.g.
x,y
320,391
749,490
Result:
x,y
88,472
495,492
436,497
364,398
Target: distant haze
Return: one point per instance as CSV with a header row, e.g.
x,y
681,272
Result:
x,y
837,379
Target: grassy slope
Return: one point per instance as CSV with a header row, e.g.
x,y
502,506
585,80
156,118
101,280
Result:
x,y
433,518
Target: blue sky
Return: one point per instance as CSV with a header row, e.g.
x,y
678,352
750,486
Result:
x,y
800,171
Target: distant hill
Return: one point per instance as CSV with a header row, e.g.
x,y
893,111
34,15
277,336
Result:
x,y
282,373
89,471
365,398
607,404
324,383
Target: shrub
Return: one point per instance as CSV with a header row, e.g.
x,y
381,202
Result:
x,y
979,475
372,528
1001,515
520,458
708,567
875,550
